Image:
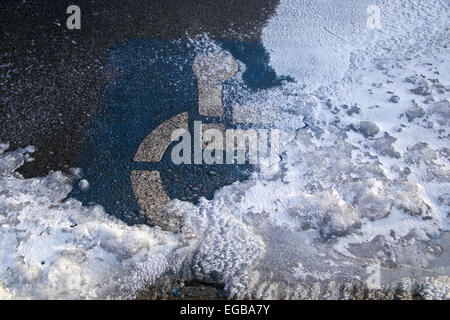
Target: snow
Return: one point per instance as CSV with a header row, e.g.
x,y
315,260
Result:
x,y
335,202
51,248
312,40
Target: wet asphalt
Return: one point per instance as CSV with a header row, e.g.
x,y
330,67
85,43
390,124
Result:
x,y
52,79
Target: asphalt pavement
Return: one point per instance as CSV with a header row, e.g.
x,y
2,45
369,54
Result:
x,y
53,79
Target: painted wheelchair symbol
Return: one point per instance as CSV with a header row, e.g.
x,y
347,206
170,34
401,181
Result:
x,y
211,70
163,86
